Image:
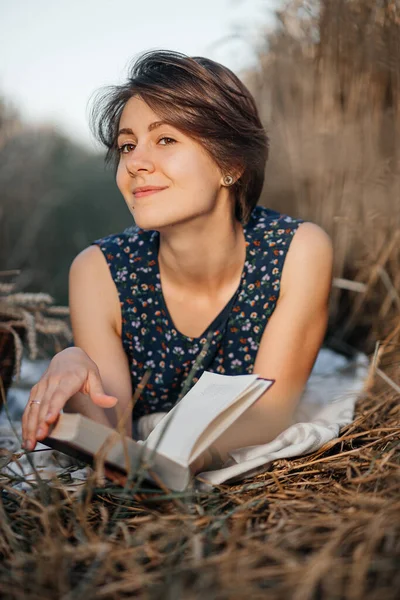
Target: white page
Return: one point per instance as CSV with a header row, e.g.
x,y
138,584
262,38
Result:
x,y
211,395
229,416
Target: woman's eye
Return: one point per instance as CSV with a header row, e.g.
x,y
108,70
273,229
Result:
x,y
122,148
128,147
166,138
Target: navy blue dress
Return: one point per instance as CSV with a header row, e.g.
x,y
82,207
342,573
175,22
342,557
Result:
x,y
149,336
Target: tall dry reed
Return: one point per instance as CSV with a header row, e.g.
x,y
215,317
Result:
x,y
329,93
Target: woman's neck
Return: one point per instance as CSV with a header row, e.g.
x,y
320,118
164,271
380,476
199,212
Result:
x,y
203,256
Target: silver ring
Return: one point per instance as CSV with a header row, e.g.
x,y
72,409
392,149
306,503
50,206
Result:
x,y
35,401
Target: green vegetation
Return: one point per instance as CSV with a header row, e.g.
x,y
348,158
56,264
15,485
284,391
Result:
x,y
56,198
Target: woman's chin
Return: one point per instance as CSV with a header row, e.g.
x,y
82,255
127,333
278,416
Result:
x,y
147,221
156,220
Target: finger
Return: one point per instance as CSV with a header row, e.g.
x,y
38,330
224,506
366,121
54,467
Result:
x,y
36,426
37,417
66,387
42,431
104,400
32,413
25,416
96,391
34,423
56,402
30,432
44,406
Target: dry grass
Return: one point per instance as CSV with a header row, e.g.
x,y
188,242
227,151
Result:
x,y
329,93
27,318
321,526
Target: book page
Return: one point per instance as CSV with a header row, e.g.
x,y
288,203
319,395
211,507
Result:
x,y
229,416
208,398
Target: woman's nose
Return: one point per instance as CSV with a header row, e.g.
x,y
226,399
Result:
x,y
140,160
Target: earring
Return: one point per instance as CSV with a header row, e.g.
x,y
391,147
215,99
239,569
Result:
x,y
228,180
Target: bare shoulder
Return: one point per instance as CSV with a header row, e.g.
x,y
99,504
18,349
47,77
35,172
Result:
x,y
90,283
89,268
310,238
309,259
88,259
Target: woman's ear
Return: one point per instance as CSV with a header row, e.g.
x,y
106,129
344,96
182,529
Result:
x,y
232,177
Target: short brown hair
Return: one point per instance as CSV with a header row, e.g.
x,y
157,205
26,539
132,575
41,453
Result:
x,y
203,99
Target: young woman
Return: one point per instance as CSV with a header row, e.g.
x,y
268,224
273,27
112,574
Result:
x,y
202,262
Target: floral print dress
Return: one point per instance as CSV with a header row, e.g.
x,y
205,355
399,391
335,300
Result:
x,y
149,336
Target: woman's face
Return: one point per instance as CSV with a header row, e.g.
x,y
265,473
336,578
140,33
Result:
x,y
162,156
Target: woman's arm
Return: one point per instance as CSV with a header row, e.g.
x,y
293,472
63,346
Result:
x,y
289,345
96,324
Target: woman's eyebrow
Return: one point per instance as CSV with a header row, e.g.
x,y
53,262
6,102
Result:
x,y
152,126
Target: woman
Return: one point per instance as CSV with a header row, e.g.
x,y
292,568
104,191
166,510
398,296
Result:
x,y
203,262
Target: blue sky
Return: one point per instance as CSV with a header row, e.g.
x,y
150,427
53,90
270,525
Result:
x,y
56,54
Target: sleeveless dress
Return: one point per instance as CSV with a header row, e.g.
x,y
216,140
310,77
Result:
x,y
149,336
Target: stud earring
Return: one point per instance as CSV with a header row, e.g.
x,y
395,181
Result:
x,y
228,180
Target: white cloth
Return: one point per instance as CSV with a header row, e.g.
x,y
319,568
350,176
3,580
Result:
x,y
326,405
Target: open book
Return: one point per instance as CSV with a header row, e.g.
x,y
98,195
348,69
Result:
x,y
181,436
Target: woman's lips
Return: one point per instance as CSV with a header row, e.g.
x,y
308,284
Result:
x,y
148,192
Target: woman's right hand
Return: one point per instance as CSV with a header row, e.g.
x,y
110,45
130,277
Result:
x,y
69,372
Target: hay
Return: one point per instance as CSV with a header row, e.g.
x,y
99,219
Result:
x,y
23,317
325,525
